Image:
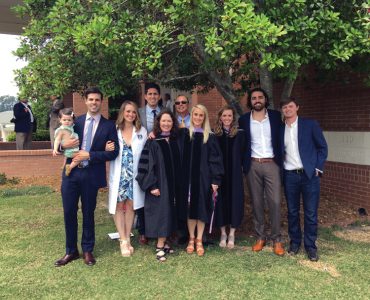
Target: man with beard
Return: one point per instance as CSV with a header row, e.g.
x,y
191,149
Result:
x,y
262,166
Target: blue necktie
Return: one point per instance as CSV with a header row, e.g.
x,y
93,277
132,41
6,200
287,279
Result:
x,y
88,139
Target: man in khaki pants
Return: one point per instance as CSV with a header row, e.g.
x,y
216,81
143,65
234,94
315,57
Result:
x,y
262,166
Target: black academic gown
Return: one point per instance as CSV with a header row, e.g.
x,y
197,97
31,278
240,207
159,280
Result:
x,y
230,203
201,166
159,167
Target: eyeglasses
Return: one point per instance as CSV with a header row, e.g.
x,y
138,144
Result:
x,y
181,102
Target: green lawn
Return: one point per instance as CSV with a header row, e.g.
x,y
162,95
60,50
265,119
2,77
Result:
x,y
32,238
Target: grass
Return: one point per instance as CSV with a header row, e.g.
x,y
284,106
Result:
x,y
32,238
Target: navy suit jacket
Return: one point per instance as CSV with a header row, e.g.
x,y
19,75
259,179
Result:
x,y
312,145
22,117
275,124
106,131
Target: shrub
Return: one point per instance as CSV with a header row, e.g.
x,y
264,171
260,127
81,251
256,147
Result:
x,y
11,137
5,180
41,135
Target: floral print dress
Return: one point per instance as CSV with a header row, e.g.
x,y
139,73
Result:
x,y
125,189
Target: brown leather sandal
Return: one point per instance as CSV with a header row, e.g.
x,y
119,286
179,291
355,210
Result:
x,y
200,248
190,248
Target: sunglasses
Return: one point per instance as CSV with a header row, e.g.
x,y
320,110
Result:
x,y
181,102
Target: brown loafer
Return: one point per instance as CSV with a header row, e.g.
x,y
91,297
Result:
x,y
143,240
67,259
89,258
258,246
279,249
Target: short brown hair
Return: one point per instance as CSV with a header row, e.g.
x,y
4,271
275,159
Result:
x,y
288,100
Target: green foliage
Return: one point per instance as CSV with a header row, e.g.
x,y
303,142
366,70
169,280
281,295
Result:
x,y
41,135
11,137
26,191
7,102
73,44
4,179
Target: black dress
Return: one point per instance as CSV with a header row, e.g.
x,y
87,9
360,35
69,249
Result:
x,y
159,168
201,167
230,204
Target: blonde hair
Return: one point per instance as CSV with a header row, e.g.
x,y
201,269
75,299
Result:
x,y
120,123
205,125
234,125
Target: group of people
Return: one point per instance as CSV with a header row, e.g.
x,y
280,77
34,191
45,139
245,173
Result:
x,y
178,175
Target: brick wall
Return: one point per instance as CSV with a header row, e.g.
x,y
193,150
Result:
x,y
347,183
34,146
29,163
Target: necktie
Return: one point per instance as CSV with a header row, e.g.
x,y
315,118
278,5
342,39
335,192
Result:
x,y
182,123
154,112
88,139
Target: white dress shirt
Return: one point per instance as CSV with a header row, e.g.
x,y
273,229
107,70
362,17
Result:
x,y
292,160
261,143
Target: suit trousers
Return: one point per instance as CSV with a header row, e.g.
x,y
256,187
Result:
x,y
264,184
75,186
23,140
296,185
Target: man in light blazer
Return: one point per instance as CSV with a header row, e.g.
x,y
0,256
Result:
x,y
84,181
305,151
262,162
148,113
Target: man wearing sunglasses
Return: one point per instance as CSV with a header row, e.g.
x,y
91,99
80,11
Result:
x,y
182,111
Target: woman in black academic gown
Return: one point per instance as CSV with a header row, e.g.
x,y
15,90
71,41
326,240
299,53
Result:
x,y
158,174
203,157
230,205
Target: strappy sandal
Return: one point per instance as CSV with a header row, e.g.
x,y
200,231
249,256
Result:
x,y
167,248
125,250
190,248
160,254
231,242
68,169
200,248
223,239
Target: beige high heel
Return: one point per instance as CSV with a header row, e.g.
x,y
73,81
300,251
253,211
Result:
x,y
125,250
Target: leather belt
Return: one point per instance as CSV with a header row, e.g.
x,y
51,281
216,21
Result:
x,y
262,160
296,171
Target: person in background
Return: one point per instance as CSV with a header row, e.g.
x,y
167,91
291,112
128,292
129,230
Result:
x,y
230,205
305,151
125,194
53,122
182,111
25,124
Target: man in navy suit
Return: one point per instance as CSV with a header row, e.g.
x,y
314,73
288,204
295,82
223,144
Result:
x,y
84,181
262,166
305,151
25,124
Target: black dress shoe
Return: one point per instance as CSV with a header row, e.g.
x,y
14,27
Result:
x,y
312,255
89,258
293,249
67,259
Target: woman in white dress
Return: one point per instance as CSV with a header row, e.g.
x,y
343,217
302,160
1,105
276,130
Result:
x,y
125,195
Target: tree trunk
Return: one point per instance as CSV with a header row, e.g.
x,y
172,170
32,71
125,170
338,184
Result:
x,y
220,78
287,89
267,83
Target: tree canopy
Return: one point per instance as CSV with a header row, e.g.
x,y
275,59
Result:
x,y
71,44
